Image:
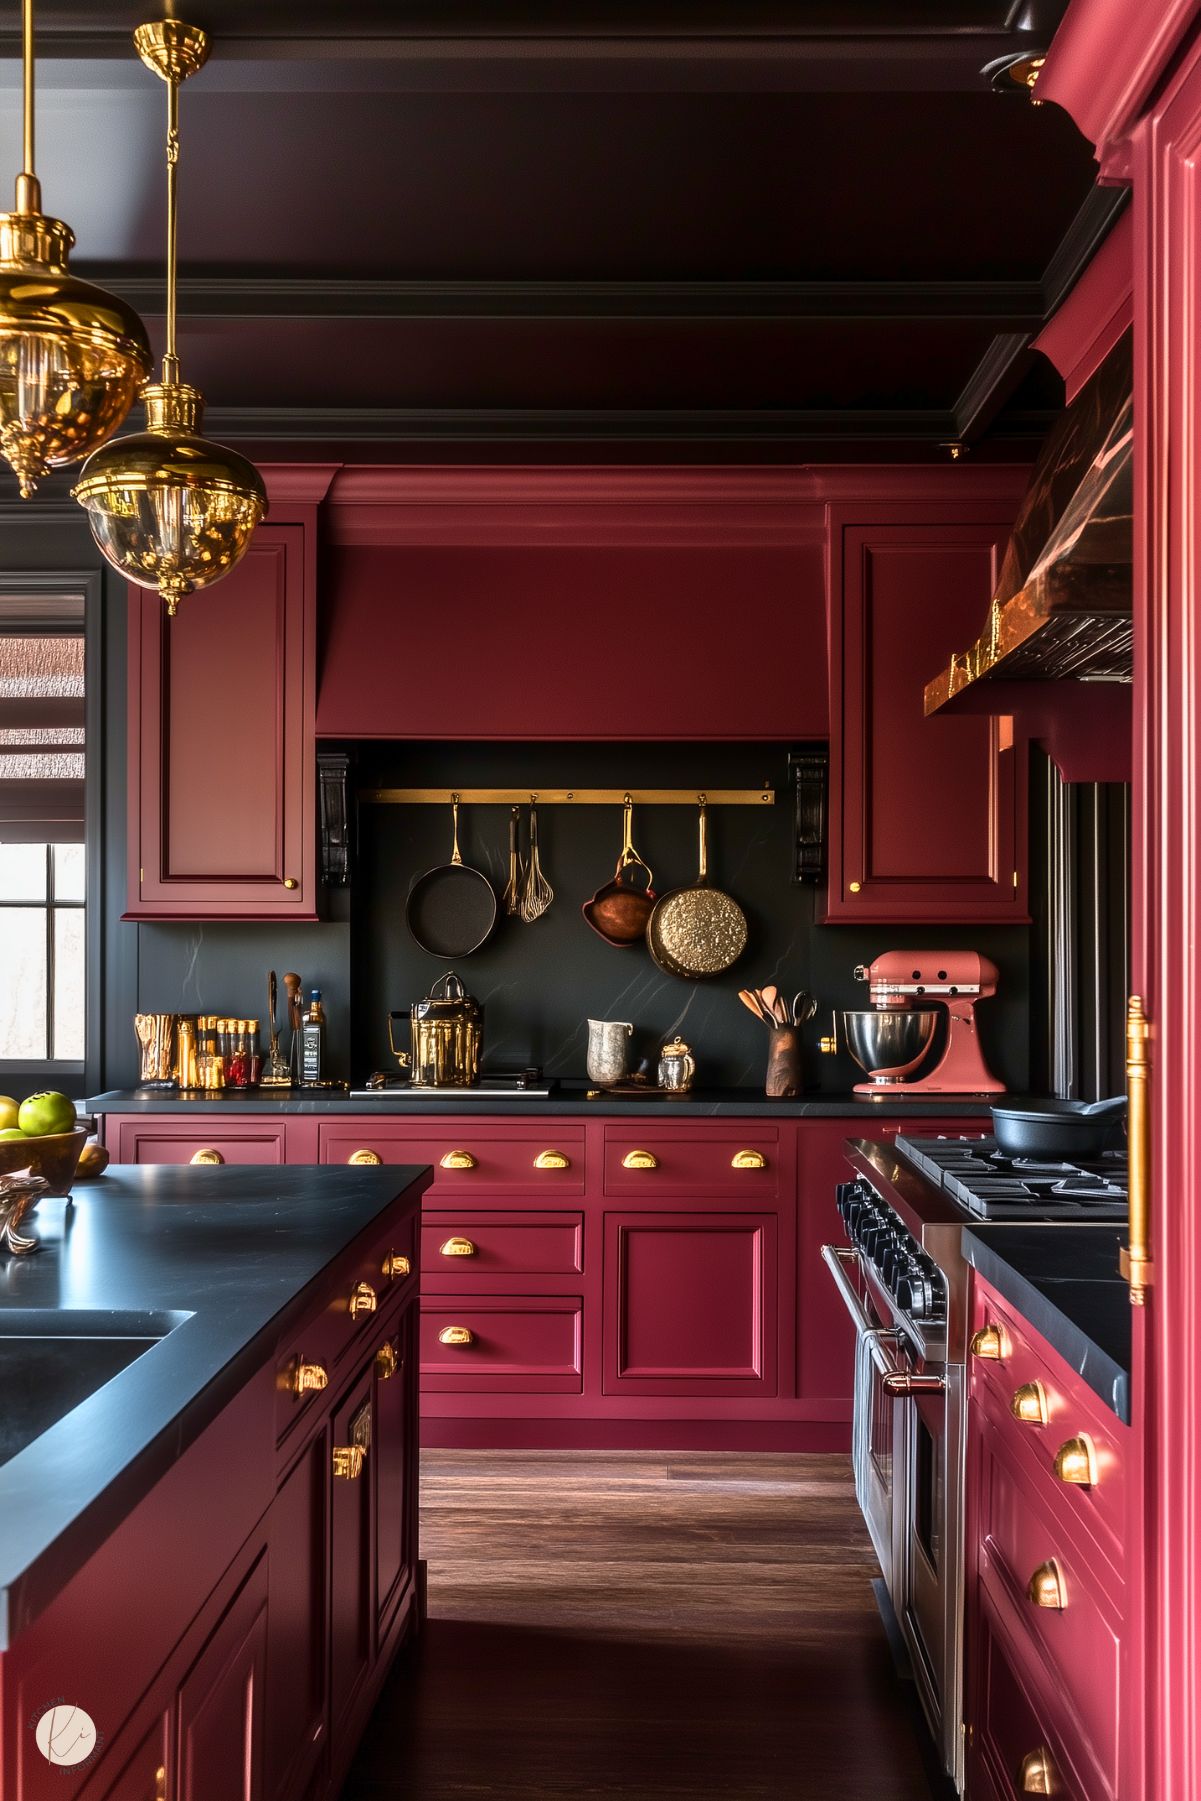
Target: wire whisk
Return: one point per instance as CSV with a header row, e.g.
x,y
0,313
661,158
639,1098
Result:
x,y
537,893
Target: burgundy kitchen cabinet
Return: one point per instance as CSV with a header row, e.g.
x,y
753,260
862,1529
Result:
x,y
1046,1578
351,1634
296,1727
394,1468
157,1139
221,1704
222,760
928,816
143,1776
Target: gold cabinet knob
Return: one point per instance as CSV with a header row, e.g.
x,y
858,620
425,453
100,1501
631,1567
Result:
x,y
1046,1588
364,1156
349,1461
309,1379
1029,1404
1076,1461
855,887
457,1247
459,1335
640,1160
458,1160
989,1343
386,1362
397,1264
551,1160
290,882
206,1155
363,1299
748,1160
1037,1774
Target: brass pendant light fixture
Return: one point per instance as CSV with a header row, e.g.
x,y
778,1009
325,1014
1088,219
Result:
x,y
168,508
72,357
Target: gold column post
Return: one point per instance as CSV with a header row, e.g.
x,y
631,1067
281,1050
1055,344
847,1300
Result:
x,y
1136,1263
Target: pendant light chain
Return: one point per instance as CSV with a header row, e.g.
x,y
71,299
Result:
x,y
170,357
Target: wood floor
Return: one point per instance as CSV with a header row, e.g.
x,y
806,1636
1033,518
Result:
x,y
638,1625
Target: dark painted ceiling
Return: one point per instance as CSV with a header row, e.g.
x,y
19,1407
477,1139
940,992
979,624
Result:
x,y
812,228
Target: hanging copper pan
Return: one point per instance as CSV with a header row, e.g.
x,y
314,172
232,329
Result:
x,y
619,911
698,931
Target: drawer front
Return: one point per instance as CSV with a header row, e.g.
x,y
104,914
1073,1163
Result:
x,y
646,1160
230,1140
307,1367
1074,1413
464,1246
526,1344
1008,1728
1075,1644
525,1162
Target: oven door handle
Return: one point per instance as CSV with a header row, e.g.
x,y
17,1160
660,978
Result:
x,y
835,1257
895,1379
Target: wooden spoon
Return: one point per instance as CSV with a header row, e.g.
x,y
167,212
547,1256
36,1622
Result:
x,y
750,999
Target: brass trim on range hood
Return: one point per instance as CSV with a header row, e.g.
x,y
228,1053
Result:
x,y
1062,609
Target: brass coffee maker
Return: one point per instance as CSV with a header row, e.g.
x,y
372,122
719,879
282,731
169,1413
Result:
x,y
446,1037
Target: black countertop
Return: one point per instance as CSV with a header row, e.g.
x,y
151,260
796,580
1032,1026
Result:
x,y
568,1100
234,1253
1064,1280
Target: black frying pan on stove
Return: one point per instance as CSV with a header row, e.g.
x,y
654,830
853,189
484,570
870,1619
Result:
x,y
451,910
1074,1131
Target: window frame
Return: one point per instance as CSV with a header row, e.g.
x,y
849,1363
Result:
x,y
72,1075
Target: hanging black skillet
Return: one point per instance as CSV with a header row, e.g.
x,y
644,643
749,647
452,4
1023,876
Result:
x,y
451,909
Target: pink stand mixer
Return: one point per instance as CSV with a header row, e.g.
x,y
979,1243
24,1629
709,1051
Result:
x,y
892,1038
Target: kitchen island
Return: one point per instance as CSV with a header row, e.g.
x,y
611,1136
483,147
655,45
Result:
x,y
209,1491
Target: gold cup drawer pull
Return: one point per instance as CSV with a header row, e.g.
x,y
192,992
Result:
x,y
456,1335
363,1299
1037,1774
1047,1588
457,1247
396,1264
206,1155
640,1160
349,1461
386,1362
458,1160
989,1343
309,1378
364,1156
1076,1461
1029,1404
748,1160
552,1160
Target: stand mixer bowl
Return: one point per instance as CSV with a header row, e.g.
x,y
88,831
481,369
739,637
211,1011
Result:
x,y
889,1042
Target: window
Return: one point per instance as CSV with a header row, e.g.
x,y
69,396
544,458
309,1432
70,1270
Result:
x,y
43,886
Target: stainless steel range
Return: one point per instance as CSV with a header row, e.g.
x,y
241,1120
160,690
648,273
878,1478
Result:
x,y
905,1285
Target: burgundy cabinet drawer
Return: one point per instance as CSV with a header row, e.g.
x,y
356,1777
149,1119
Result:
x,y
1075,1418
1075,1644
467,1246
173,1141
690,1303
513,1161
1009,1730
526,1344
653,1159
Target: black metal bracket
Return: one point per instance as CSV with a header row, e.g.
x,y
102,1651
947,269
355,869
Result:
x,y
333,769
809,770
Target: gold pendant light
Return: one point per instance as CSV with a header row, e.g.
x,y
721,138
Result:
x,y
71,356
170,509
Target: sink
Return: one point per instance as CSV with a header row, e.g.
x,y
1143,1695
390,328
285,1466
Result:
x,y
51,1360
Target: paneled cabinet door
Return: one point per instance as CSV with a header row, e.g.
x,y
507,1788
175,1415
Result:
x,y
143,1776
221,1703
394,1468
222,765
928,815
297,1664
691,1306
351,1645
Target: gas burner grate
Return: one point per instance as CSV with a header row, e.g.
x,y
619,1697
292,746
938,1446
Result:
x,y
992,1185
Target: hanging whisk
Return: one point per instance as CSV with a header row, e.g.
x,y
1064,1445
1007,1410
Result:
x,y
537,893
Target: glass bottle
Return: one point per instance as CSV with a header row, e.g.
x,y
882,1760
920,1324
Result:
x,y
254,1052
312,1042
237,1072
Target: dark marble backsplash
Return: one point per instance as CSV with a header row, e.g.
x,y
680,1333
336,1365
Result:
x,y
540,983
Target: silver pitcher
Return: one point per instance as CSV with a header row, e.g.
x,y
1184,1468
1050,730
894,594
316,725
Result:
x,y
609,1051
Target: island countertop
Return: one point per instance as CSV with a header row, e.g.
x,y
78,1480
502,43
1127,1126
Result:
x,y
232,1254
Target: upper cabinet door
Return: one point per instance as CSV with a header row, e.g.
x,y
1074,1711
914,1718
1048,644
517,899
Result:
x,y
928,816
222,776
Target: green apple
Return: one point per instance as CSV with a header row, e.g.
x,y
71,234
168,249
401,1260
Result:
x,y
8,1110
46,1113
12,1132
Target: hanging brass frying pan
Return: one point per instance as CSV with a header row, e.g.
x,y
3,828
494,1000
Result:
x,y
698,931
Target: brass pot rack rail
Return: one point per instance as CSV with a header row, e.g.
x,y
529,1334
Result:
x,y
569,797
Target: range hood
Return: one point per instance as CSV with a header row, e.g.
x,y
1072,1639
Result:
x,y
1062,606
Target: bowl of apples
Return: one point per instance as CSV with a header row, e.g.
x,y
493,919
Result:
x,y
40,1135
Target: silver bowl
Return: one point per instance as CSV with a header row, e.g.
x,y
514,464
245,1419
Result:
x,y
889,1042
